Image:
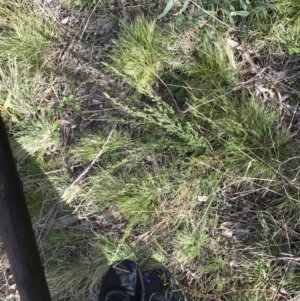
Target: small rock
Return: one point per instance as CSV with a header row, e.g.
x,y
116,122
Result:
x,y
202,198
99,55
96,102
65,20
234,264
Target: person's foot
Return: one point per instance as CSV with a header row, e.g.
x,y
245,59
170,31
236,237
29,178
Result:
x,y
122,282
161,286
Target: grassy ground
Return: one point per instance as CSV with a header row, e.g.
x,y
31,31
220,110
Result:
x,y
172,141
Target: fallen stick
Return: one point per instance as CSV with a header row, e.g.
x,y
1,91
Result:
x,y
52,211
86,170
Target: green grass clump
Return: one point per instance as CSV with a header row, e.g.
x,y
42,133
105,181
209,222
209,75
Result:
x,y
26,34
134,199
210,68
124,183
139,57
39,138
23,92
245,133
190,245
22,88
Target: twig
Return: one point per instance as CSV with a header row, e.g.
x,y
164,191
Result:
x,y
87,23
212,15
128,151
204,215
247,56
173,99
5,110
44,173
86,170
125,152
53,209
292,258
83,31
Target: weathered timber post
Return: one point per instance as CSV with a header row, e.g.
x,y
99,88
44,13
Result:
x,y
16,229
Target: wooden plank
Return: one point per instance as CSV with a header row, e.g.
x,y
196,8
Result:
x,y
16,229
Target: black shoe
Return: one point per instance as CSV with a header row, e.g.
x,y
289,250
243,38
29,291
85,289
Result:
x,y
122,282
161,286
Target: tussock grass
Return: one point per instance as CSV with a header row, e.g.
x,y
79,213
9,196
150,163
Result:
x,y
248,135
26,33
190,245
22,88
40,137
141,55
24,105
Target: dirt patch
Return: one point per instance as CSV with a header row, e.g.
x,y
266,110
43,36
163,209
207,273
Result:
x,y
8,288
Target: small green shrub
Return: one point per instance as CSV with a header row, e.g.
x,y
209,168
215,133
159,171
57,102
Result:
x,y
211,14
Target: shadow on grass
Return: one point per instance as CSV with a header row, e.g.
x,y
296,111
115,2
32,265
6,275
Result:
x,y
76,250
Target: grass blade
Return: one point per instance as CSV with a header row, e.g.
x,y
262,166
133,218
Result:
x,y
167,8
